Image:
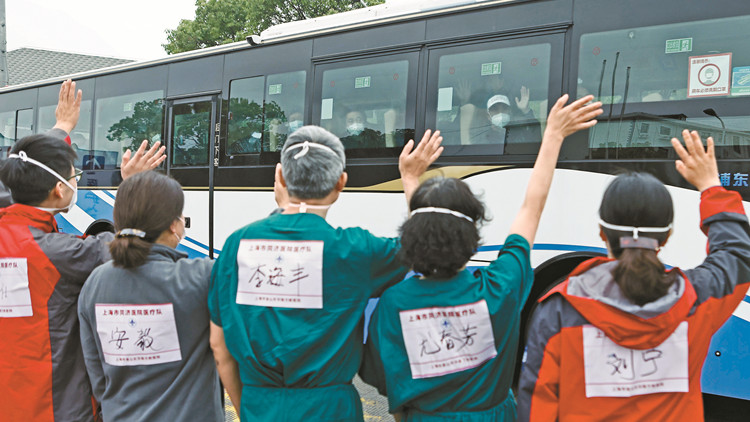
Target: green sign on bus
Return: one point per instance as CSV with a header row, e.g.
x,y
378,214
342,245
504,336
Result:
x,y
491,68
363,82
680,45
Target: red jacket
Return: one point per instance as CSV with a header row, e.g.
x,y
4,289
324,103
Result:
x,y
42,374
592,354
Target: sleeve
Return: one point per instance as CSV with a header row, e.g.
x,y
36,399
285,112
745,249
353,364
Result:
x,y
372,370
539,384
5,199
89,344
59,134
76,257
385,267
512,267
725,273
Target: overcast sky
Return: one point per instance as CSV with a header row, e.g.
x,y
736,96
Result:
x,y
128,29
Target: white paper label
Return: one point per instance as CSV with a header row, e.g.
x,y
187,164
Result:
x,y
15,297
445,99
441,341
326,109
280,273
137,334
709,75
615,371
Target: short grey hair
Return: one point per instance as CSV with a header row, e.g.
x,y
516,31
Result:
x,y
314,174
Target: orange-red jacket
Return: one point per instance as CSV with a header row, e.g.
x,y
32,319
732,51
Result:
x,y
591,354
42,373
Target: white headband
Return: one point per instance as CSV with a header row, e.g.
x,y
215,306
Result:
x,y
306,147
441,211
26,159
635,230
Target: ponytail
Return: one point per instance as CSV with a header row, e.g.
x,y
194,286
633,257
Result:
x,y
641,276
129,252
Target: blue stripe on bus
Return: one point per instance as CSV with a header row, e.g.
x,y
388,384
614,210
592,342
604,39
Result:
x,y
549,247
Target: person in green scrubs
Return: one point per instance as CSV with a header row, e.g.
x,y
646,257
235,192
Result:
x,y
442,345
288,292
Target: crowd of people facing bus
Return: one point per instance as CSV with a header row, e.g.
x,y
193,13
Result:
x,y
127,319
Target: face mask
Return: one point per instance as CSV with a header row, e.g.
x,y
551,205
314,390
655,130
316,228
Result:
x,y
355,128
294,125
23,157
500,120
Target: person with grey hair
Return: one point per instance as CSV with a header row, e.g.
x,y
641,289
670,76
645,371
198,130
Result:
x,y
290,291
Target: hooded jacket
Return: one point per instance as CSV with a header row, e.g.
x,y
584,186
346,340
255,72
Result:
x,y
592,354
42,373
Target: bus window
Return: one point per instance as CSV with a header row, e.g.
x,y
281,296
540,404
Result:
x,y
667,62
245,128
24,123
284,107
7,131
123,122
191,124
80,138
494,97
365,106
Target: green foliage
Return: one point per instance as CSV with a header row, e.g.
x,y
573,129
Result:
x,y
225,21
145,123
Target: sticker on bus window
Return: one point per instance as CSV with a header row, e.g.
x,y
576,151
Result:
x,y
612,370
492,68
274,89
280,273
445,99
326,109
15,296
363,82
709,76
445,340
741,80
137,334
680,45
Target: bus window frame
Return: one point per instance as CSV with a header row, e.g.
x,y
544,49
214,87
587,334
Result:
x,y
488,152
169,105
412,57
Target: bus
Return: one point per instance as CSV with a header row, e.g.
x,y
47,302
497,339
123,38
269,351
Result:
x,y
484,73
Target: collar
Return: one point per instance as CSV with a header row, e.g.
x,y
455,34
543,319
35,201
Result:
x,y
161,252
27,215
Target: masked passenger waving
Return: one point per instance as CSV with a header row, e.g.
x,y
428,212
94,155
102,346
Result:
x,y
442,345
622,339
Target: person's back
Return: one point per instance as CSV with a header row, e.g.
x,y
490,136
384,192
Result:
x,y
289,292
623,339
144,315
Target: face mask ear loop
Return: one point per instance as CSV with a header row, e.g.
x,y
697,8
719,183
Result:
x,y
635,233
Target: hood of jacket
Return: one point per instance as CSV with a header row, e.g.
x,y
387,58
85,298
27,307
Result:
x,y
593,292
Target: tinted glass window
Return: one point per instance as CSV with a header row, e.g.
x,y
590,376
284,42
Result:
x,y
24,123
7,131
667,62
494,97
365,105
263,111
80,138
190,128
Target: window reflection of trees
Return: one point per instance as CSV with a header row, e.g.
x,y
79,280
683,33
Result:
x,y
145,122
249,133
191,138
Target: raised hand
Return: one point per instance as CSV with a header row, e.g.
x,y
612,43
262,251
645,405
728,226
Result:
x,y
413,162
68,106
566,120
696,165
523,102
142,160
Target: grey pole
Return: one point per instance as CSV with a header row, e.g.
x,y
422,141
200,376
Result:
x,y
3,46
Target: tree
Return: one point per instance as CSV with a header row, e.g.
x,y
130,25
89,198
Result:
x,y
225,21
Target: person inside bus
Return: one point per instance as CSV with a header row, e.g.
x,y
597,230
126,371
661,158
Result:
x,y
280,129
442,344
622,338
358,135
144,365
512,127
49,268
288,292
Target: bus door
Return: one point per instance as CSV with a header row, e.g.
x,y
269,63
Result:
x,y
191,131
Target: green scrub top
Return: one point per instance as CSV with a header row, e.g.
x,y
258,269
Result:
x,y
448,369
275,264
